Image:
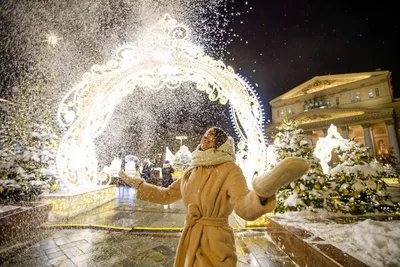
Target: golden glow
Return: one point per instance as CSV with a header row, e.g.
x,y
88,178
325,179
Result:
x,y
391,180
260,222
177,174
325,84
327,115
320,85
69,205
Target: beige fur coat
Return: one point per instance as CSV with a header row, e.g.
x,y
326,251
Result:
x,y
210,194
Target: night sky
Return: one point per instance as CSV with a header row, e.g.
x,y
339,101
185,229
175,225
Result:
x,y
277,45
290,42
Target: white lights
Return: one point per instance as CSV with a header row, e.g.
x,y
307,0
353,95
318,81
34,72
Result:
x,y
162,58
127,54
324,147
69,116
52,39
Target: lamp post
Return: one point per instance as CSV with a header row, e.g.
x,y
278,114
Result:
x,y
181,137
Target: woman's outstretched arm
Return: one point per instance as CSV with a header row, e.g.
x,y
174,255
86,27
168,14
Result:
x,y
152,193
246,203
155,194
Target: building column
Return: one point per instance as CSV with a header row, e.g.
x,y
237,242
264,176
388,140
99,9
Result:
x,y
345,133
309,137
393,143
367,138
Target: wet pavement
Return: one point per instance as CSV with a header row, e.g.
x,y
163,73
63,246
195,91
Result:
x,y
130,232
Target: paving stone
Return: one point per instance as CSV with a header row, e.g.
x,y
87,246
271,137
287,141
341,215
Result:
x,y
72,252
165,250
62,241
52,250
57,260
75,237
67,263
67,245
55,254
48,243
86,248
59,234
82,258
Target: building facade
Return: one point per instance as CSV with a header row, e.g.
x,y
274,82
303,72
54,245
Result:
x,y
361,105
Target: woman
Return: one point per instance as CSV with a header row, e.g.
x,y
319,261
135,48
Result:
x,y
211,188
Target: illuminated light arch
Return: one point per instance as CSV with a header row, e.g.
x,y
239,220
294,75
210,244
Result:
x,y
161,58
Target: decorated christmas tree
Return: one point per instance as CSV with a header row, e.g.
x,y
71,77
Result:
x,y
310,191
356,181
27,148
389,161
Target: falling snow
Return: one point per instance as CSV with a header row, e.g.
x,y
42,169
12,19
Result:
x,y
61,41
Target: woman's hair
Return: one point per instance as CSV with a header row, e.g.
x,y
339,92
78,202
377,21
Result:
x,y
220,136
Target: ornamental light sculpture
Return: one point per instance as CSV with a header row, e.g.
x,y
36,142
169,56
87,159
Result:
x,y
162,58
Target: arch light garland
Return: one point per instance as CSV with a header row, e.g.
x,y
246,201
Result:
x,y
163,57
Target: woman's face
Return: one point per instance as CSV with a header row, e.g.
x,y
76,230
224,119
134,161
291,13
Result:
x,y
208,140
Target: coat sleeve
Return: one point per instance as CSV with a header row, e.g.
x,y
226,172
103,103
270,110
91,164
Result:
x,y
245,202
152,193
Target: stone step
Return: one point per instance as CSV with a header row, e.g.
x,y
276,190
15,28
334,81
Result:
x,y
296,243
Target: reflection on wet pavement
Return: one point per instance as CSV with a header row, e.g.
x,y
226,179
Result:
x,y
126,211
85,247
90,247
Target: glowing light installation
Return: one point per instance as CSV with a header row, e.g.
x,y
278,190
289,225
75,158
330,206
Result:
x,y
163,57
324,147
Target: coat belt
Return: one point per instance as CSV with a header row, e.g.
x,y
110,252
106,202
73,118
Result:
x,y
194,216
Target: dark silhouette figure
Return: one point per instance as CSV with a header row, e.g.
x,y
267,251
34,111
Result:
x,y
167,171
146,170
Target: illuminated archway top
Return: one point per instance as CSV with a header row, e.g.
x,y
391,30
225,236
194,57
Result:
x,y
162,57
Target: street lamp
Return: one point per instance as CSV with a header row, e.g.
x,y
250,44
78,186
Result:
x,y
181,137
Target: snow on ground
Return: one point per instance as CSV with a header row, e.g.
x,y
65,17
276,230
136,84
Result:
x,y
374,242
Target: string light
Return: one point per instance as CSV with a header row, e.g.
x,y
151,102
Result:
x,y
69,205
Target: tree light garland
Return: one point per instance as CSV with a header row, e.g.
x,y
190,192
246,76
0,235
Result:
x,y
163,57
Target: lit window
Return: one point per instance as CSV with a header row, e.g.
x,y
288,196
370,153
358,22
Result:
x,y
337,101
377,92
352,97
370,93
358,96
328,102
282,113
289,111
